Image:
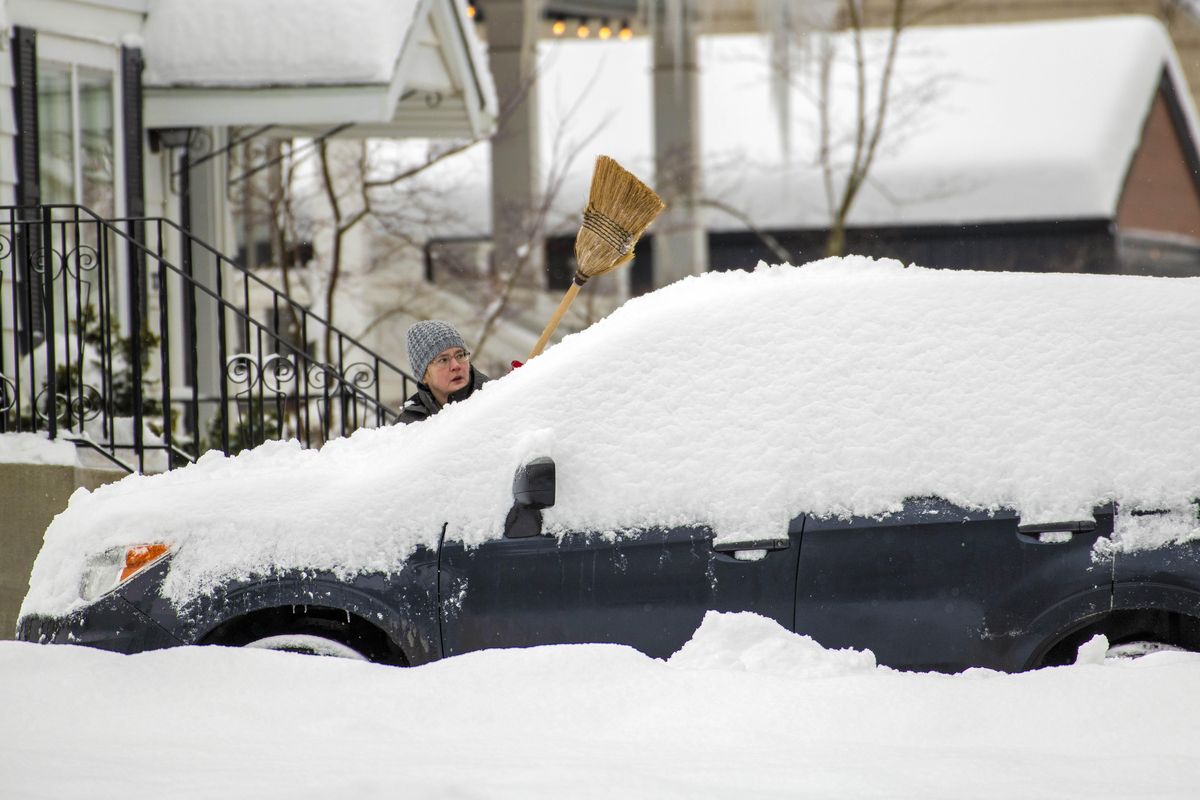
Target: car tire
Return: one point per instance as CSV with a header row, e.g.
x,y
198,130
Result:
x,y
307,644
1127,651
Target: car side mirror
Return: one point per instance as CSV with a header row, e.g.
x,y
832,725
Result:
x,y
533,490
533,485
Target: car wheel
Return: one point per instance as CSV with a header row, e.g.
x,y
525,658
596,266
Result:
x,y
307,644
1127,651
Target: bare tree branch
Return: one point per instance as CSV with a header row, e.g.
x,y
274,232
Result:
x,y
553,187
377,193
868,132
412,172
335,258
824,156
383,317
509,109
770,241
559,168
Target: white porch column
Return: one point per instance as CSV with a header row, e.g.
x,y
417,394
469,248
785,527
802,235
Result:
x,y
680,241
205,186
516,176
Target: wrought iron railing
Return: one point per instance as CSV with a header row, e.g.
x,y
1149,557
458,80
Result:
x,y
135,339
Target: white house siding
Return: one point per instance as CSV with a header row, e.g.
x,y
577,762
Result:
x,y
109,21
8,172
8,122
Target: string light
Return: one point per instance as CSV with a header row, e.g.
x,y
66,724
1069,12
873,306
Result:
x,y
471,10
582,26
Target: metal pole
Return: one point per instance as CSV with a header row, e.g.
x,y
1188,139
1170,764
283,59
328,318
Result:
x,y
46,287
135,340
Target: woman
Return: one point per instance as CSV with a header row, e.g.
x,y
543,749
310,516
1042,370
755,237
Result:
x,y
442,363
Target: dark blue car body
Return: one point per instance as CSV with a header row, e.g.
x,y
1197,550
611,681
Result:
x,y
934,586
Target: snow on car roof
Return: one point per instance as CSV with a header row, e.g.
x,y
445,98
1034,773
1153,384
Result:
x,y
734,400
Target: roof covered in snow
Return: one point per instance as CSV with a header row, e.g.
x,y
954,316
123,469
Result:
x,y
988,123
301,62
732,400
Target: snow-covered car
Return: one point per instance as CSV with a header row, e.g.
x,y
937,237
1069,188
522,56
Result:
x,y
950,469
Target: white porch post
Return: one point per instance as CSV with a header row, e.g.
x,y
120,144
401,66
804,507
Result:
x,y
680,241
516,176
205,187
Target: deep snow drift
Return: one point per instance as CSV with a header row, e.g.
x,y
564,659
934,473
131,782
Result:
x,y
736,400
745,710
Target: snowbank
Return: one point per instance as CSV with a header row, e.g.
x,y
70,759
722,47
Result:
x,y
748,642
588,721
733,400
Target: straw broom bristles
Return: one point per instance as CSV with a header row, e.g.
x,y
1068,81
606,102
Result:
x,y
619,209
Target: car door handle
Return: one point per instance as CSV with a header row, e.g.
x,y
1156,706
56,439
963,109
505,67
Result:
x,y
757,544
1032,532
1066,526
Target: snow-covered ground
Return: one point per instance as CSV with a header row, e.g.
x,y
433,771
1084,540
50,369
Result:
x,y
744,710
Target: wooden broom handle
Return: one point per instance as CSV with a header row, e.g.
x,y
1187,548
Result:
x,y
554,320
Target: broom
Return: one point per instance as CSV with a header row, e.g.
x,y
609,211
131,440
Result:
x,y
619,209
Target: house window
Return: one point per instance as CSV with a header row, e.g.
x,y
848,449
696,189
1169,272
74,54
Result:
x,y
76,136
55,138
96,142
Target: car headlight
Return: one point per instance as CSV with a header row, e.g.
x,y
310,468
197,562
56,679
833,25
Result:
x,y
108,570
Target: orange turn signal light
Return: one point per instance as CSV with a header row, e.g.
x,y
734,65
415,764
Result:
x,y
137,558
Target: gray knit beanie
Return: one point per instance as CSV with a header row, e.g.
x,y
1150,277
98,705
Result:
x,y
428,338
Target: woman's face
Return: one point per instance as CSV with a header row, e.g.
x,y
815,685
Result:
x,y
448,372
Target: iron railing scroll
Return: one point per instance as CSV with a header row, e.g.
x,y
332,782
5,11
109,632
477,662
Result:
x,y
188,352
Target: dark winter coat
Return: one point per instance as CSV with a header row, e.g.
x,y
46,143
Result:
x,y
422,405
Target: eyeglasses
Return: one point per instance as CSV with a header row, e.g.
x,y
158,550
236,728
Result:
x,y
443,361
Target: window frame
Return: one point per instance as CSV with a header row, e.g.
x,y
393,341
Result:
x,y
74,55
